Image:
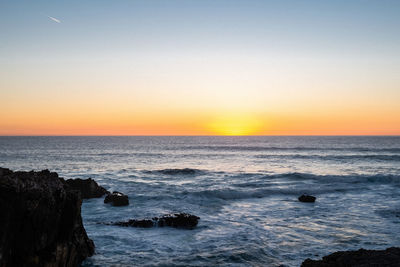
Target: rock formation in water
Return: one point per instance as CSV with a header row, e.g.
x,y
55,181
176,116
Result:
x,y
307,198
360,258
88,188
117,199
40,221
177,220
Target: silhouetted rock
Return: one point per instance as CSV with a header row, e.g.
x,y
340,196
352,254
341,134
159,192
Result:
x,y
40,221
88,187
177,220
136,223
360,258
307,198
117,199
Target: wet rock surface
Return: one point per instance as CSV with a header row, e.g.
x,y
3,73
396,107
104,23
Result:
x,y
360,258
88,188
40,221
117,199
307,198
177,220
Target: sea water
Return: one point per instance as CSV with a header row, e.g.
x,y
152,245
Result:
x,y
244,189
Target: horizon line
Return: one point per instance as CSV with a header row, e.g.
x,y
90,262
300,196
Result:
x,y
272,135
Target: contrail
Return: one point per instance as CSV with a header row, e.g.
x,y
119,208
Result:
x,y
54,19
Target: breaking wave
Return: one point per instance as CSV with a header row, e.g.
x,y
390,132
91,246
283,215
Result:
x,y
184,171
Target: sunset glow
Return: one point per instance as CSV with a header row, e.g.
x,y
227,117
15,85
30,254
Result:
x,y
236,125
199,68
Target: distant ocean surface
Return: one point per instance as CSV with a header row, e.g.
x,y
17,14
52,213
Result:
x,y
244,189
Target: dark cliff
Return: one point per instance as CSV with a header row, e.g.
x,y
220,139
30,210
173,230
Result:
x,y
40,221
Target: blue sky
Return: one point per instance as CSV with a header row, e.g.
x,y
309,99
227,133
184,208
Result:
x,y
370,27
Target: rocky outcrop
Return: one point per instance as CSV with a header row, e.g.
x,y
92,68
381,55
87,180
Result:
x,y
307,198
88,187
360,258
177,220
40,221
117,199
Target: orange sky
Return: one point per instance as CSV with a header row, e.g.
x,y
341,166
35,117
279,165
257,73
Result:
x,y
110,123
254,69
44,102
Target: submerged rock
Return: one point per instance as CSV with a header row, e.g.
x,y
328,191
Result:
x,y
177,220
359,258
117,199
40,221
307,198
88,187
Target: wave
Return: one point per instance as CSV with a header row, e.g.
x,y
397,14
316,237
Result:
x,y
259,178
232,194
296,148
389,212
126,154
241,186
324,184
376,157
184,171
332,179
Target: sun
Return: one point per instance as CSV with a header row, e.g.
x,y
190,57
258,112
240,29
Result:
x,y
235,125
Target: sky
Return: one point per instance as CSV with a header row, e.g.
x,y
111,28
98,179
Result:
x,y
202,67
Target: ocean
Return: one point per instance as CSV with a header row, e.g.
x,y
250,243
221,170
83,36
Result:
x,y
244,189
